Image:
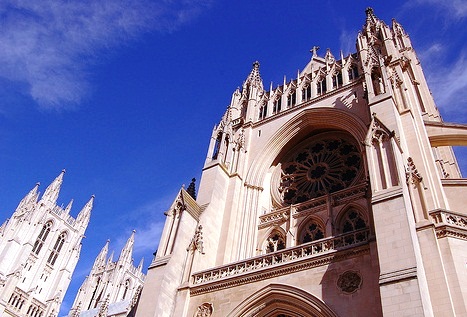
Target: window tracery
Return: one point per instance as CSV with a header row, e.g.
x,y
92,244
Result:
x,y
352,221
56,249
275,242
42,237
311,231
323,166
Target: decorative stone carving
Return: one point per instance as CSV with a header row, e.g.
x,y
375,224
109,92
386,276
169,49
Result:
x,y
321,167
204,310
197,241
349,282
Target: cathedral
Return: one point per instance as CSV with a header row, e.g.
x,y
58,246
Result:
x,y
111,288
39,248
334,194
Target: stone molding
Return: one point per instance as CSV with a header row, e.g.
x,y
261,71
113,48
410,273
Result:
x,y
449,224
287,261
396,276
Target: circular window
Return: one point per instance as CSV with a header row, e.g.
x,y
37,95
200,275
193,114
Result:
x,y
326,164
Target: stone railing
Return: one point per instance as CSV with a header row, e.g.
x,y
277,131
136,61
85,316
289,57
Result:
x,y
278,216
448,223
442,216
290,255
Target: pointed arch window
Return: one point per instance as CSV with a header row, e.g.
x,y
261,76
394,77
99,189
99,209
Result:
x,y
41,238
263,111
337,80
291,99
306,93
275,242
311,231
56,249
353,72
321,86
217,146
127,286
352,221
277,105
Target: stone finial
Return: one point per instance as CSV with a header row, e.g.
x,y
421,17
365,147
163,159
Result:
x,y
191,190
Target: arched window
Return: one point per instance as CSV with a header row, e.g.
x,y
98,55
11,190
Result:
x,y
42,237
263,111
127,286
352,221
275,242
217,146
57,247
321,87
306,93
310,232
277,105
291,99
337,80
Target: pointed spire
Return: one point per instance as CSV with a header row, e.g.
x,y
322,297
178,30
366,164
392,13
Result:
x,y
30,198
102,256
111,258
68,207
127,251
85,213
254,79
140,265
51,192
191,190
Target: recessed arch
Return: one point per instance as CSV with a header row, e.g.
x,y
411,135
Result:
x,y
282,299
297,129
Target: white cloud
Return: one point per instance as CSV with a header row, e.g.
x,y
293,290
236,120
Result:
x,y
347,41
451,9
148,231
448,83
46,46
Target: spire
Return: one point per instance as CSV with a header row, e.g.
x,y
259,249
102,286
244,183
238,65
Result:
x,y
85,213
102,256
191,190
254,79
30,198
127,251
68,207
51,192
111,258
140,265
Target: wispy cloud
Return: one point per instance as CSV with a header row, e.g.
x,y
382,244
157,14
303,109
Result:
x,y
451,9
148,231
46,46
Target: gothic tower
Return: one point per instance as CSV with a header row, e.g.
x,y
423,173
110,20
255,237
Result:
x,y
39,248
111,288
334,194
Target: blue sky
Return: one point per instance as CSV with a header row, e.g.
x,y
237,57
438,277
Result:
x,y
124,94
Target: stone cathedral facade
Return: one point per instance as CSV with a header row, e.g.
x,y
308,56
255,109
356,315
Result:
x,y
39,248
112,288
334,194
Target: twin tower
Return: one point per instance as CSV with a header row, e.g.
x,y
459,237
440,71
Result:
x,y
39,248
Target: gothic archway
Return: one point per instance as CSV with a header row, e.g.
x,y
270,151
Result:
x,y
282,300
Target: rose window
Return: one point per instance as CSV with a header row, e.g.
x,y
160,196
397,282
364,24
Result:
x,y
323,166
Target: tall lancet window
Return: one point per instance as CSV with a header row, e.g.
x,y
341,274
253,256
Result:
x,y
127,286
41,238
217,146
57,247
